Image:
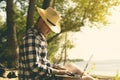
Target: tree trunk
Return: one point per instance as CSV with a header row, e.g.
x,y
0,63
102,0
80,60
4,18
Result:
x,y
30,16
65,54
47,3
11,35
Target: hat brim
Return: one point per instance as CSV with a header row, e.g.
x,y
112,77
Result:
x,y
55,28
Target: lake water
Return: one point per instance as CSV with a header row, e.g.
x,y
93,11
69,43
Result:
x,y
107,67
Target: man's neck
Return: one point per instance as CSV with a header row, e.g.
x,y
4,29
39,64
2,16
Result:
x,y
40,31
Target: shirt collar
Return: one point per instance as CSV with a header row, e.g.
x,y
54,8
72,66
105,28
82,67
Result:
x,y
36,32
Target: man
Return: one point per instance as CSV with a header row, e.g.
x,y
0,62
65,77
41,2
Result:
x,y
33,62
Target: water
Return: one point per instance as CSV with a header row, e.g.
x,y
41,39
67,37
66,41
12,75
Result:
x,y
108,67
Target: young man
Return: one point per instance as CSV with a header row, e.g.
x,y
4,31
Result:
x,y
33,62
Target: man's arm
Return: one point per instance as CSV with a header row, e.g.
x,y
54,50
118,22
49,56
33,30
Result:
x,y
31,49
35,58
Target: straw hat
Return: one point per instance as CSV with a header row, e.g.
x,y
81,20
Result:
x,y
51,18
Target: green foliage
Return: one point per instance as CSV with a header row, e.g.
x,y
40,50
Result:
x,y
53,46
57,46
20,19
117,76
3,43
91,68
75,12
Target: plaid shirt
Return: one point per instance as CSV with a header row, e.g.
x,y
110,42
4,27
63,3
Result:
x,y
33,63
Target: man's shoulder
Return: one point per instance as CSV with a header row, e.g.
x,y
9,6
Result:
x,y
32,35
29,36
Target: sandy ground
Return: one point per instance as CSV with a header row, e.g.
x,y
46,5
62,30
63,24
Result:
x,y
98,77
8,79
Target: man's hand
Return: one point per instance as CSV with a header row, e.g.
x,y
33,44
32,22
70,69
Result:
x,y
57,69
65,72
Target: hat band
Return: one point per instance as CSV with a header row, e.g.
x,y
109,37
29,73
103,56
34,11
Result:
x,y
51,22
